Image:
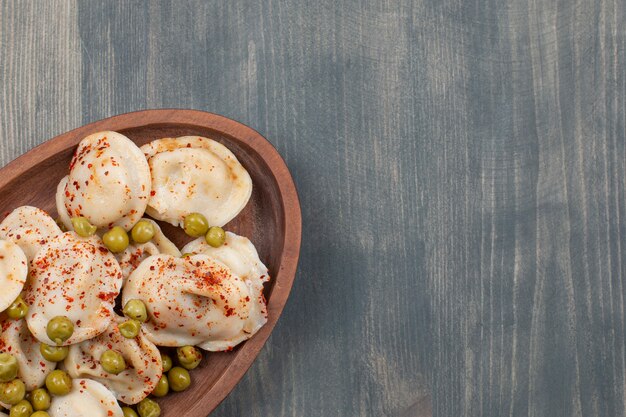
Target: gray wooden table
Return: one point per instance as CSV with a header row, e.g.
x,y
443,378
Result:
x,y
461,167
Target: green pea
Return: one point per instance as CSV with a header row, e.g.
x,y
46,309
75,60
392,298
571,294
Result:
x,y
149,408
59,329
12,392
113,362
216,236
116,239
162,387
189,357
40,399
8,367
58,382
130,328
129,412
61,225
40,414
179,379
195,225
18,309
136,310
54,353
167,362
143,231
21,409
82,227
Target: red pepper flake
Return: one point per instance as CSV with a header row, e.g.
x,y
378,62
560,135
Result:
x,y
152,193
107,296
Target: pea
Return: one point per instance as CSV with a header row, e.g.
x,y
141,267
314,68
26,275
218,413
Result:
x,y
129,412
18,309
82,227
116,239
136,310
59,329
58,382
8,367
21,409
195,225
61,225
148,408
143,231
12,392
162,387
130,328
40,414
216,236
189,357
40,399
54,353
113,362
179,379
167,362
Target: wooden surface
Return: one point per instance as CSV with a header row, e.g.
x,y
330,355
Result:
x,y
461,170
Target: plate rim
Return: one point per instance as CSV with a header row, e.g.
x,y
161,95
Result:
x,y
292,222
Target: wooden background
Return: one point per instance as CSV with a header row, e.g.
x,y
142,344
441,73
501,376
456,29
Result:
x,y
461,169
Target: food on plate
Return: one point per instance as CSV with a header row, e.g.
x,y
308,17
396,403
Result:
x,y
108,183
194,301
30,228
58,382
86,398
178,379
130,368
23,348
191,174
65,347
13,272
73,280
40,399
137,251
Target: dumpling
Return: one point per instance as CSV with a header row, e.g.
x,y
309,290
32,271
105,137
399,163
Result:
x,y
30,228
240,255
191,174
192,301
17,340
87,399
108,183
136,252
237,253
74,277
13,272
143,359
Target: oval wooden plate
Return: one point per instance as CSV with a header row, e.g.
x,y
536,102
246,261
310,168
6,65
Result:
x,y
272,220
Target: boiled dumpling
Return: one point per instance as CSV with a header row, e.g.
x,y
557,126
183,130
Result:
x,y
136,252
192,301
30,228
74,277
191,174
17,340
87,399
13,272
108,183
240,255
143,359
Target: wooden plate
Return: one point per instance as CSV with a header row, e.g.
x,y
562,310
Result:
x,y
272,220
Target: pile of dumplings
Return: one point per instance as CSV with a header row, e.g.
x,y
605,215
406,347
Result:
x,y
99,311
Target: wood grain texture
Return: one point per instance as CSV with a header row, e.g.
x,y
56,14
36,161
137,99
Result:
x,y
461,170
